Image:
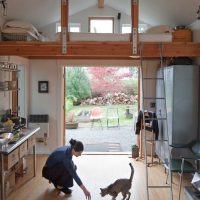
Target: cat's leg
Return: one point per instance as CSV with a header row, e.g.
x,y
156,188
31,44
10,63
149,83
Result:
x,y
115,195
124,195
129,195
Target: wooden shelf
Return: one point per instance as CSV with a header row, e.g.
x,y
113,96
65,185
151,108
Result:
x,y
13,90
9,70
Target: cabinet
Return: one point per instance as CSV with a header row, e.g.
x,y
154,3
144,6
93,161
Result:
x,y
12,162
182,35
182,99
9,86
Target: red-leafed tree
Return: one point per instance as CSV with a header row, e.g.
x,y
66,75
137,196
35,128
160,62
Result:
x,y
106,80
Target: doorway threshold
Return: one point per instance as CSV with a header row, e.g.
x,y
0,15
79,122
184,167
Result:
x,y
106,153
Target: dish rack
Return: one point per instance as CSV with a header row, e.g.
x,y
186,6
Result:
x,y
16,37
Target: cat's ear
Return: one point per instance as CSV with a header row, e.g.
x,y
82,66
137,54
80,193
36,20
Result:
x,y
101,189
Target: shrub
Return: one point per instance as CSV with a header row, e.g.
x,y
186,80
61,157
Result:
x,y
77,83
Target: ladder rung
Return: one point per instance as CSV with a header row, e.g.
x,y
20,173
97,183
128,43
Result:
x,y
155,163
156,118
154,98
151,163
156,140
160,186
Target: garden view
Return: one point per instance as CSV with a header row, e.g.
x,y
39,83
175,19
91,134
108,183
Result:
x,y
104,87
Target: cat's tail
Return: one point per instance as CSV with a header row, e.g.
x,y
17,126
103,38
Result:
x,y
132,172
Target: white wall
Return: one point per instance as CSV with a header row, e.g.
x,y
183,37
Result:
x,y
149,71
49,31
48,103
82,18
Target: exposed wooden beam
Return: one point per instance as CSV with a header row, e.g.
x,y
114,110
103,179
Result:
x,y
64,24
135,19
100,3
97,49
177,49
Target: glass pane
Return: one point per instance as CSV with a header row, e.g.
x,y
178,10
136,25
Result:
x,y
126,28
74,29
101,26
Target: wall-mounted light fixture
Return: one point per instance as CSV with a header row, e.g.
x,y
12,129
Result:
x,y
4,4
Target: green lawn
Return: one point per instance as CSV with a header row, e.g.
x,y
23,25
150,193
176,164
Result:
x,y
121,110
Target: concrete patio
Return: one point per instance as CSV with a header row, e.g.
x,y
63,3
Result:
x,y
96,139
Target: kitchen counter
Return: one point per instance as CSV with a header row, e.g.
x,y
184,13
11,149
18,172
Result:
x,y
6,149
11,154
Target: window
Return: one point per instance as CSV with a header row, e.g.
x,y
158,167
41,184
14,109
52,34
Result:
x,y
126,28
101,24
73,27
58,27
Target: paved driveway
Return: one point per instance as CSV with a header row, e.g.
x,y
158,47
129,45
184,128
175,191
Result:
x,y
107,140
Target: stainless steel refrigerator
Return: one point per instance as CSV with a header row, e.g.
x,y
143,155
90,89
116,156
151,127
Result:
x,y
182,105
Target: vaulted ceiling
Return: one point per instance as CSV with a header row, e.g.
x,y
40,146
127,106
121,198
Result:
x,y
154,12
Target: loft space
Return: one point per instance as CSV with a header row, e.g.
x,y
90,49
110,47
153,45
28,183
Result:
x,y
62,45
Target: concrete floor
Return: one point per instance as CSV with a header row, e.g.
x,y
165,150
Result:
x,y
104,140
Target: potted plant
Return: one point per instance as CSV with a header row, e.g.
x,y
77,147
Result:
x,y
71,122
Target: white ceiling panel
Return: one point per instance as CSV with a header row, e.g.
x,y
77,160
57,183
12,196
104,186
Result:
x,y
154,12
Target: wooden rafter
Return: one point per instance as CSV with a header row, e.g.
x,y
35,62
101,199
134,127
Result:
x,y
100,3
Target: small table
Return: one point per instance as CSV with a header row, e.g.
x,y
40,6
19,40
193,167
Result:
x,y
189,194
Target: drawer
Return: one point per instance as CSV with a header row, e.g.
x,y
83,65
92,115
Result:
x,y
23,149
9,183
182,35
31,142
11,159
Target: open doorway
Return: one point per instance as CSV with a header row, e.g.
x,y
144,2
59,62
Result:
x,y
100,106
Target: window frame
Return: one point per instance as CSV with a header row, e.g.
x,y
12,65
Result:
x,y
141,25
58,24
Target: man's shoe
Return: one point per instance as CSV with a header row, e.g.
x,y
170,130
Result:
x,y
66,191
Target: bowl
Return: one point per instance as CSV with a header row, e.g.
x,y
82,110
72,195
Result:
x,y
5,138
